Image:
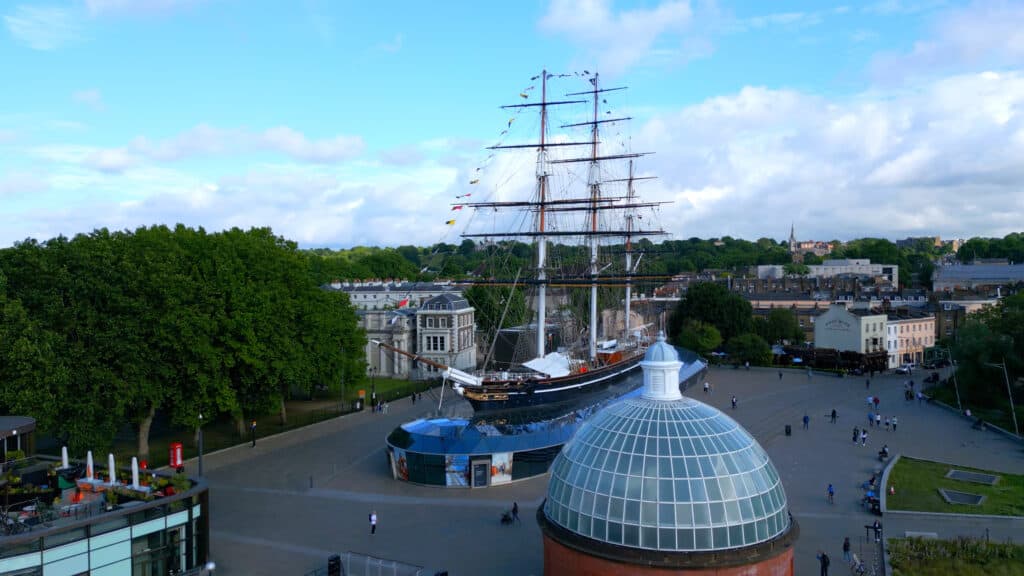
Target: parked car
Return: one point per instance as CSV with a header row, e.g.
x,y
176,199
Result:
x,y
906,369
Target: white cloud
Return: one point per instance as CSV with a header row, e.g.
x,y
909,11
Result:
x,y
205,140
110,160
91,98
981,35
942,158
15,183
134,7
393,46
43,27
618,40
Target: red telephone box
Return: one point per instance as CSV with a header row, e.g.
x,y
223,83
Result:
x,y
175,457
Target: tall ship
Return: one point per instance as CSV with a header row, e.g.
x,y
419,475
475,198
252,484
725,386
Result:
x,y
582,221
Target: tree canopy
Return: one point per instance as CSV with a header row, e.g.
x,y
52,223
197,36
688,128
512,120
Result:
x,y
113,327
712,304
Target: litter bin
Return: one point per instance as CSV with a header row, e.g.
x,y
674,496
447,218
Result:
x,y
789,430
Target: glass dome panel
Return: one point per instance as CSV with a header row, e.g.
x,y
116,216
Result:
x,y
673,475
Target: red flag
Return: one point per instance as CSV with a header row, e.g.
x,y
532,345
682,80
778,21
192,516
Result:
x,y
403,303
457,207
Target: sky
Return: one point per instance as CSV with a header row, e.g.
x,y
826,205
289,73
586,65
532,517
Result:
x,y
339,124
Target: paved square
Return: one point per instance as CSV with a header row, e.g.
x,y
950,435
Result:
x,y
267,519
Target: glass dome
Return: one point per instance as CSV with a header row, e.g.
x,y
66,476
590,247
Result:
x,y
666,475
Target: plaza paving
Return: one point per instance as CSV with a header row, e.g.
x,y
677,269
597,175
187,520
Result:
x,y
266,519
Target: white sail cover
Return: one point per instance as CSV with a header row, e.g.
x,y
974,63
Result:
x,y
554,365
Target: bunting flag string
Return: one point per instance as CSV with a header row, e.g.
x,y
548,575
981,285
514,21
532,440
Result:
x,y
457,207
450,222
475,181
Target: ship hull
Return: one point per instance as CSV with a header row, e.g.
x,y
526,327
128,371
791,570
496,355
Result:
x,y
491,397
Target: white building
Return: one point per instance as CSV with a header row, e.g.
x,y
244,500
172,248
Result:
x,y
387,295
831,268
861,331
396,328
445,332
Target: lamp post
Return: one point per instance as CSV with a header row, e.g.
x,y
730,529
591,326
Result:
x,y
1009,393
200,445
956,387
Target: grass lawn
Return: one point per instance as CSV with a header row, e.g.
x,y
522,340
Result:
x,y
917,483
999,415
916,557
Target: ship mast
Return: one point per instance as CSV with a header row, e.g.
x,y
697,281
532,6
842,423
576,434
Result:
x,y
629,252
593,178
542,247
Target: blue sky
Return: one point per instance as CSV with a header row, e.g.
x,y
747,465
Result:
x,y
340,124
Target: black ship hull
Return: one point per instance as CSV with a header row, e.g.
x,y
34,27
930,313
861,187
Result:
x,y
498,396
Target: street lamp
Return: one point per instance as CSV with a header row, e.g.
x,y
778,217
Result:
x,y
1009,393
200,445
956,386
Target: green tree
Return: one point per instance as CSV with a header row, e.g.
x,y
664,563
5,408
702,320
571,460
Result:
x,y
713,304
700,337
780,325
796,269
749,348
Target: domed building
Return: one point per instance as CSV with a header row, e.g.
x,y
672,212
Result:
x,y
663,483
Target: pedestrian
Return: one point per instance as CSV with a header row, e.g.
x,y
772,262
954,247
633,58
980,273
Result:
x,y
878,420
824,560
747,364
886,422
252,432
733,401
856,434
920,397
871,418
515,512
893,423
878,530
373,522
706,387
863,437
807,421
834,415
846,549
877,401
780,374
808,373
831,494
867,384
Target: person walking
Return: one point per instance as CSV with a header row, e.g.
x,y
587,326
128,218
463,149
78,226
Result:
x,y
877,401
863,437
747,364
252,433
856,434
920,397
834,415
706,386
886,422
733,401
515,512
893,423
846,550
878,420
824,560
807,421
780,374
373,522
871,418
831,494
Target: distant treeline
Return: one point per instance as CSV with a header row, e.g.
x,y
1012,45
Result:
x,y
469,259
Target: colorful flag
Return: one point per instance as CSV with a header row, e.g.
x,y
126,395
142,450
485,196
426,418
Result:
x,y
403,303
394,319
510,121
459,207
449,222
524,95
474,181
